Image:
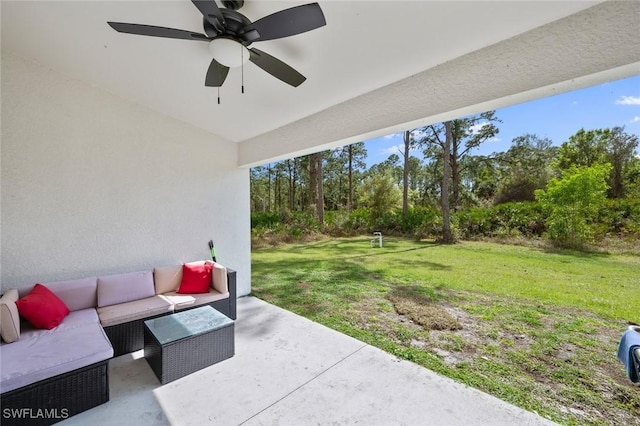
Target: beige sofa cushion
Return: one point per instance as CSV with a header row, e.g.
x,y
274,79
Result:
x,y
167,278
219,278
121,288
134,310
9,317
182,301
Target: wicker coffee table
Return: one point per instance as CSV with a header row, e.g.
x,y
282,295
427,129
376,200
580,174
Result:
x,y
179,344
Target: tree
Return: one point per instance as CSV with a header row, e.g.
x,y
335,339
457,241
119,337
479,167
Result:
x,y
260,184
417,180
621,155
291,166
316,193
447,236
279,195
356,154
572,203
466,134
334,182
600,146
483,177
585,148
381,194
525,167
269,172
405,172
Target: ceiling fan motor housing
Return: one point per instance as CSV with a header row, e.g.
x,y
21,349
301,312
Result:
x,y
233,4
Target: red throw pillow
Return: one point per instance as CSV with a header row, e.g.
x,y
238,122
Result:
x,y
196,278
42,308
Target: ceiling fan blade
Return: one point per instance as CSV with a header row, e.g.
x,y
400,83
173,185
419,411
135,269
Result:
x,y
216,74
211,13
288,22
276,67
150,30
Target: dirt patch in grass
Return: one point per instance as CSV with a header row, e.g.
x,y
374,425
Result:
x,y
304,285
419,307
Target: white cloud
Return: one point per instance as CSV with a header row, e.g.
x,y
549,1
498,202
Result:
x,y
628,100
635,119
394,149
391,136
476,128
397,149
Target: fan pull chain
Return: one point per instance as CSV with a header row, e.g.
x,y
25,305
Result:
x,y
242,62
218,95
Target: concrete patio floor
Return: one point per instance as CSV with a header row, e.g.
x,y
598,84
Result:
x,y
288,370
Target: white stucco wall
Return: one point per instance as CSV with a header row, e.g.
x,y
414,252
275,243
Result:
x,y
92,184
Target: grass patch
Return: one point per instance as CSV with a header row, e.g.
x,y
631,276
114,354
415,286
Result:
x,y
534,327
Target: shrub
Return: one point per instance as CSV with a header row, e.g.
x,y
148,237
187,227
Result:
x,y
264,219
359,221
573,203
524,218
620,217
418,218
475,222
381,195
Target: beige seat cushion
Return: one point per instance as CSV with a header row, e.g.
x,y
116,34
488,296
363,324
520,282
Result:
x,y
134,310
9,317
182,301
167,278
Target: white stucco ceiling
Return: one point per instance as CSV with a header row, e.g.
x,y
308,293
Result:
x,y
365,48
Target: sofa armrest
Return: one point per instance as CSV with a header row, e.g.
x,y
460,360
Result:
x,y
233,292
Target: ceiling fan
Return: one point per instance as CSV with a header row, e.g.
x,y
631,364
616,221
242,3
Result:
x,y
230,33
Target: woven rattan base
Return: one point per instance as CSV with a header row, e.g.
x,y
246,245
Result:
x,y
52,400
178,359
127,337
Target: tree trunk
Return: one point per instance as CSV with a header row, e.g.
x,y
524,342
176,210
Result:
x,y
455,172
316,192
447,237
320,199
405,175
313,179
278,193
269,188
350,196
293,181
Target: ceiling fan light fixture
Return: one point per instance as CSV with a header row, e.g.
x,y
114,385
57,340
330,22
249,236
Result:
x,y
228,52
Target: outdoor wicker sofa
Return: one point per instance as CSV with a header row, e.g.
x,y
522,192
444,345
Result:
x,y
49,375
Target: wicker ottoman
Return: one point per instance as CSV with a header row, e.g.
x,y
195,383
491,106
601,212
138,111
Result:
x,y
179,344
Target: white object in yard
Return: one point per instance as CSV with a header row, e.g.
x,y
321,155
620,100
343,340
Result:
x,y
377,237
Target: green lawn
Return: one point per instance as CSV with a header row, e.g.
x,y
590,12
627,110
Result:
x,y
536,328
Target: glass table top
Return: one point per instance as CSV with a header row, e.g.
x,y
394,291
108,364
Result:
x,y
192,322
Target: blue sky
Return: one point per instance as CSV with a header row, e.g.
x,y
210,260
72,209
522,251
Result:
x,y
611,104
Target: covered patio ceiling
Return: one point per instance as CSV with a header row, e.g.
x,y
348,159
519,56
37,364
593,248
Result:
x,y
375,68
